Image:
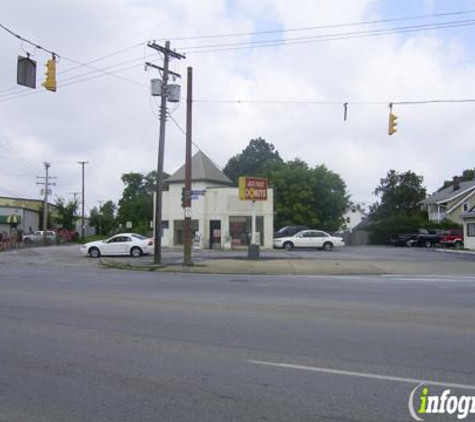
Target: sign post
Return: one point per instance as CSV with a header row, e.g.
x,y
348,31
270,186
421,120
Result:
x,y
253,189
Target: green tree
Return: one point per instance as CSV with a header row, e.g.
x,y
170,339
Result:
x,y
254,160
400,194
136,204
104,220
66,213
314,197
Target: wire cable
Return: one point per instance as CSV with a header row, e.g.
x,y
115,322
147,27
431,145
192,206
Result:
x,y
325,37
328,26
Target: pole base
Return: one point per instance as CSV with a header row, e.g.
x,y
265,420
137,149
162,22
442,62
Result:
x,y
253,251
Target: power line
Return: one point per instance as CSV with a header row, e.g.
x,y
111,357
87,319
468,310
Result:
x,y
334,103
327,26
27,41
211,48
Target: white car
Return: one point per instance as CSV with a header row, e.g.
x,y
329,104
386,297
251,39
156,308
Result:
x,y
121,244
309,239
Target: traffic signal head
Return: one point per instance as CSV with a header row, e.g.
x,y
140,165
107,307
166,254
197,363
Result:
x,y
50,81
392,124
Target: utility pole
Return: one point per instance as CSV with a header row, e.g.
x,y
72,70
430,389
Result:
x,y
75,201
189,138
100,215
46,185
82,163
167,54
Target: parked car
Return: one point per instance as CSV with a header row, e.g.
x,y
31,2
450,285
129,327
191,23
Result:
x,y
452,238
37,236
121,244
309,239
289,231
422,237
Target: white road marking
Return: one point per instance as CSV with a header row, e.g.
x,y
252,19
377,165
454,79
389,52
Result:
x,y
363,375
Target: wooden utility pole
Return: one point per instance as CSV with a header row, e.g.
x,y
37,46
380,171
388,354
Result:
x,y
46,185
188,228
167,54
83,163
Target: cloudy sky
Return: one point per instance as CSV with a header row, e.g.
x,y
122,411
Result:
x,y
282,74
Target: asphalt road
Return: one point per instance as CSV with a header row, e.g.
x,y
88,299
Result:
x,y
83,343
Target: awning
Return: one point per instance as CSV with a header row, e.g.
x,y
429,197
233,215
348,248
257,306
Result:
x,y
10,219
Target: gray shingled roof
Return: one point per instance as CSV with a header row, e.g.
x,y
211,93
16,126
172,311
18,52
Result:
x,y
448,193
202,169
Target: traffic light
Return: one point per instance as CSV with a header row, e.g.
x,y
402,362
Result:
x,y
392,123
50,81
183,197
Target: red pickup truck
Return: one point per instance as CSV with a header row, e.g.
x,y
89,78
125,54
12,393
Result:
x,y
452,238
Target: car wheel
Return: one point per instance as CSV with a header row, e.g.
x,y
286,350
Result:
x,y
27,241
427,243
458,245
288,246
136,252
327,246
94,253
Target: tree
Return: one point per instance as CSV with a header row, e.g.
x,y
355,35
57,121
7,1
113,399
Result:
x,y
136,204
66,213
104,220
400,194
254,160
314,197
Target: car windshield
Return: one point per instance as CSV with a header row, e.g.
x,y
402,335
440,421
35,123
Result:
x,y
283,229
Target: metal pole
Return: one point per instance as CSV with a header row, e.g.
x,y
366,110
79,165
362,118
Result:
x,y
253,224
157,256
188,228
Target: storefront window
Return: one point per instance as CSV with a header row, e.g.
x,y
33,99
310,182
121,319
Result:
x,y
178,231
240,229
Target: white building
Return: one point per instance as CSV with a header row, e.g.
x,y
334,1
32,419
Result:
x,y
353,216
219,218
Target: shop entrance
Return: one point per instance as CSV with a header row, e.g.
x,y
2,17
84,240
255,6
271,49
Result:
x,y
214,234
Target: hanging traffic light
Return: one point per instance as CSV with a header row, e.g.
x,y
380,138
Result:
x,y
50,81
392,123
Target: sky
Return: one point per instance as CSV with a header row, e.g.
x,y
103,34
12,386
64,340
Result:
x,y
290,92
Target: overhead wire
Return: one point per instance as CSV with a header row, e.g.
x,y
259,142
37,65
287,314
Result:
x,y
327,26
213,48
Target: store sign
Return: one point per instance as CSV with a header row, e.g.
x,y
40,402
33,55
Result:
x,y
253,188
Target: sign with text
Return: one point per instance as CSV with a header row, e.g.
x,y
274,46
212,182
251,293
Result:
x,y
253,188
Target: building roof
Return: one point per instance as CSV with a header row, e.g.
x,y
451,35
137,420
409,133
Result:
x,y
448,194
202,169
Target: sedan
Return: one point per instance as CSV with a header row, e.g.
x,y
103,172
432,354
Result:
x,y
121,244
309,239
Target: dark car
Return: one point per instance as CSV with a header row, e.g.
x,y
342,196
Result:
x,y
288,231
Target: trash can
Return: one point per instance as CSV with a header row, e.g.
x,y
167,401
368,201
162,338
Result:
x,y
253,252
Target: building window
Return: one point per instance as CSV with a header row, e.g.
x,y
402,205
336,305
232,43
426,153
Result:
x,y
470,229
240,230
465,206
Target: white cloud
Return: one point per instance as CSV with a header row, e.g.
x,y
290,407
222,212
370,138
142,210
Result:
x,y
109,122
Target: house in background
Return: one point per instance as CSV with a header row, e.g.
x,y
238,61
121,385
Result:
x,y
219,218
450,202
353,216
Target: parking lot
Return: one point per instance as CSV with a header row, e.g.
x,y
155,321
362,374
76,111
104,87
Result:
x,y
346,260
